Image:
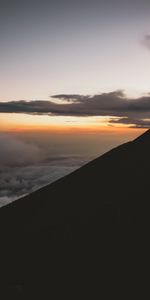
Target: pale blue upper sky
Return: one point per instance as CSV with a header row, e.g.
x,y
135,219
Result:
x,y
52,47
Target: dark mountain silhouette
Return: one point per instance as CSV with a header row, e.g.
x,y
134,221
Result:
x,y
83,236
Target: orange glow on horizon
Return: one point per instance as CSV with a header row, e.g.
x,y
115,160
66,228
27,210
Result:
x,y
26,122
80,130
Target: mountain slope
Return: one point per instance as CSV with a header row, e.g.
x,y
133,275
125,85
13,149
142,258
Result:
x,y
75,225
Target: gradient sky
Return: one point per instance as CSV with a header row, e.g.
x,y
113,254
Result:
x,y
51,47
82,47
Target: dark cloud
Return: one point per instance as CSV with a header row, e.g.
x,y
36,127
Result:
x,y
135,123
70,98
115,104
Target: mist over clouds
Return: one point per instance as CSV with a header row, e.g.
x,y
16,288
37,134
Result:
x,y
26,166
14,152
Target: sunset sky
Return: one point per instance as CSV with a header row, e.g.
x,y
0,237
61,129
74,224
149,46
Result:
x,y
74,56
74,78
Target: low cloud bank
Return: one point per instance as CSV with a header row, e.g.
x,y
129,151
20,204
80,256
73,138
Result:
x,y
113,104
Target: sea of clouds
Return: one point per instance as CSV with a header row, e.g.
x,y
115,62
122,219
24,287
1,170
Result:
x,y
31,160
25,167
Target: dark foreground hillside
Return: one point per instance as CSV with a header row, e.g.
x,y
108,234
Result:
x,y
84,236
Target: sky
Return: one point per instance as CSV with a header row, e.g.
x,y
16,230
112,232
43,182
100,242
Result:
x,y
74,82
54,47
73,47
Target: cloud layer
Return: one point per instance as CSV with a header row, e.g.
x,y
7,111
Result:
x,y
25,167
19,181
135,112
